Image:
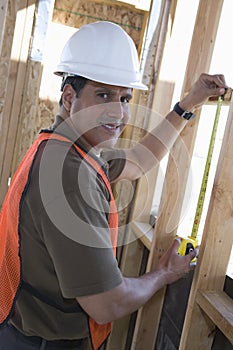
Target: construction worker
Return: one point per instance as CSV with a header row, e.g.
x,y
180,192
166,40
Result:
x,y
60,282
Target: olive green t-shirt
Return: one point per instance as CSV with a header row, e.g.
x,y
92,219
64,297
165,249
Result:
x,y
65,242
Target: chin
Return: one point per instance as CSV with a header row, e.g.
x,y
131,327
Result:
x,y
107,144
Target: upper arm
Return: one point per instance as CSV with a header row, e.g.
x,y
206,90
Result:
x,y
123,164
132,168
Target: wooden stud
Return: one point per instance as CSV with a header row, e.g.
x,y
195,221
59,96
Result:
x,y
215,249
131,254
177,170
131,263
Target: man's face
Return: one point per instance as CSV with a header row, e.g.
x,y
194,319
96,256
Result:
x,y
100,113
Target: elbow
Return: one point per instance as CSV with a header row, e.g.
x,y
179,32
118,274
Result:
x,y
105,307
109,315
101,321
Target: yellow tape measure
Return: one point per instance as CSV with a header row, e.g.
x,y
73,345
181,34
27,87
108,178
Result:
x,y
190,243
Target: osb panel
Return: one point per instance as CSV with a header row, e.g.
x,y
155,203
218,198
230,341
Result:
x,y
35,114
36,117
6,50
76,13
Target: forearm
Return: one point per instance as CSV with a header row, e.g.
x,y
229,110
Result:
x,y
155,145
124,299
133,293
137,291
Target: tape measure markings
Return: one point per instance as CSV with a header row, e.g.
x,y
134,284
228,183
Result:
x,y
202,193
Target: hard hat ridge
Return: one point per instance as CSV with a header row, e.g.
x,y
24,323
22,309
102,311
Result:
x,y
102,51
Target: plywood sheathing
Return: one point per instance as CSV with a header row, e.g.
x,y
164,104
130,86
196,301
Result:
x,y
17,35
80,12
35,113
31,113
3,14
7,32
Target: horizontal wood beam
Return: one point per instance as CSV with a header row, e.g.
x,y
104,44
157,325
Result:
x,y
144,232
219,308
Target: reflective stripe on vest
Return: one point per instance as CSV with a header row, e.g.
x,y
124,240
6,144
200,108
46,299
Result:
x,y
10,260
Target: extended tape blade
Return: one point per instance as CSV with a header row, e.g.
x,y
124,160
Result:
x,y
201,198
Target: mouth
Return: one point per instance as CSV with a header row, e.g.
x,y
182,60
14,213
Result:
x,y
112,126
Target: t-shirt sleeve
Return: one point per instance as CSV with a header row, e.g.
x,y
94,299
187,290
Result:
x,y
77,237
116,160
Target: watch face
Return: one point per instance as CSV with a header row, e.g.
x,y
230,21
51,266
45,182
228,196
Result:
x,y
184,114
188,115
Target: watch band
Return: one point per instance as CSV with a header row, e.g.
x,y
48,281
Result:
x,y
184,114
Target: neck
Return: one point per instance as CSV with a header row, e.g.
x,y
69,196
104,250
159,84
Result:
x,y
65,115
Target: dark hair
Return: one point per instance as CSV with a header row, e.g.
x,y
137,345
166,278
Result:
x,y
76,82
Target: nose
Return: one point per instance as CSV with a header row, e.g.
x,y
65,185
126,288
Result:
x,y
115,110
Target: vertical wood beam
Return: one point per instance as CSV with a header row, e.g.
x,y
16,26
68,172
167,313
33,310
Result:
x,y
215,248
119,335
177,171
131,254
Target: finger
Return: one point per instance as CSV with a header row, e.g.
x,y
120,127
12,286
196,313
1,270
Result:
x,y
197,251
217,79
172,249
221,80
177,242
193,264
174,246
192,255
217,91
220,84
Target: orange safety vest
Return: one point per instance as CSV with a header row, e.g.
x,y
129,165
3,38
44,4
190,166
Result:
x,y
10,260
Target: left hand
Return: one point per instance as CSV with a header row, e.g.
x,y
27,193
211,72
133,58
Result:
x,y
174,266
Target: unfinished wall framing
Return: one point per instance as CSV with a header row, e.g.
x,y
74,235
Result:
x,y
23,112
212,300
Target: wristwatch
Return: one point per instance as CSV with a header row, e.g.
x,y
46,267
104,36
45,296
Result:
x,y
184,114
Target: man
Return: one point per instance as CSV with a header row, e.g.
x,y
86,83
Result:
x,y
60,208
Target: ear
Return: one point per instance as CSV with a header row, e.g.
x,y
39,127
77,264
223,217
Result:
x,y
68,96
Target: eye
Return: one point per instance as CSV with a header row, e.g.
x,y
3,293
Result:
x,y
104,95
125,99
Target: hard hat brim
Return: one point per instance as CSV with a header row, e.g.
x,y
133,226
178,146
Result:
x,y
110,79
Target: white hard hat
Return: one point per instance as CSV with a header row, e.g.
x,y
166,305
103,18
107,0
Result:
x,y
103,52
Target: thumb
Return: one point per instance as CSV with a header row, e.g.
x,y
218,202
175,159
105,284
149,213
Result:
x,y
176,243
174,246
